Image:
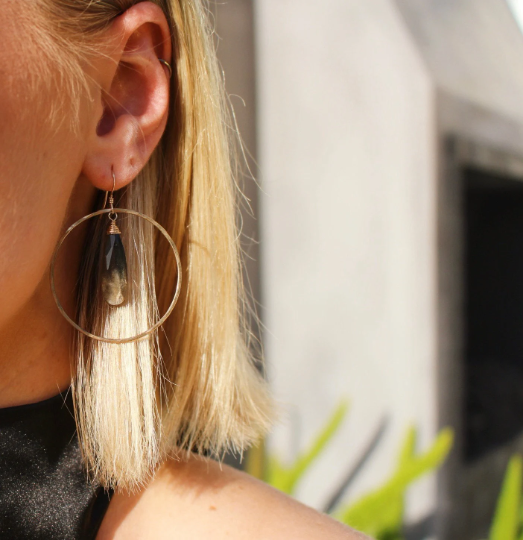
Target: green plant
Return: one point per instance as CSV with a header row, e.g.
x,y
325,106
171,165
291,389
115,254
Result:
x,y
380,513
508,518
285,478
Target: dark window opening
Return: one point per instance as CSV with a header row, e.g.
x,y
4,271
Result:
x,y
493,305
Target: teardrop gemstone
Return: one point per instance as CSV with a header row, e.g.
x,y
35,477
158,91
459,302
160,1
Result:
x,y
114,271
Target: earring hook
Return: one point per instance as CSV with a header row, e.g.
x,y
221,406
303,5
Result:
x,y
111,196
114,179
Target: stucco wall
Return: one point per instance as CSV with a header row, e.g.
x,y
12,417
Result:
x,y
346,153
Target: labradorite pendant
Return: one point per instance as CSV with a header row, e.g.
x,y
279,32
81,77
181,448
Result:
x,y
114,271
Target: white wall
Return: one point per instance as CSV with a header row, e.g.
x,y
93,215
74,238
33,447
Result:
x,y
346,157
473,49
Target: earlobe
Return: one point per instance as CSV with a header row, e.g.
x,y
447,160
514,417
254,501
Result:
x,y
134,95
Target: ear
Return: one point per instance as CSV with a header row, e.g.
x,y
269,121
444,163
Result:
x,y
133,96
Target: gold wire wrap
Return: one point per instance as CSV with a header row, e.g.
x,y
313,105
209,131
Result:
x,y
113,228
178,276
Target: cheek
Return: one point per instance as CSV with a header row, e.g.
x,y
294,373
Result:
x,y
38,170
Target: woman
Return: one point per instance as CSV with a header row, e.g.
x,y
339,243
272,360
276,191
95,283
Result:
x,y
123,97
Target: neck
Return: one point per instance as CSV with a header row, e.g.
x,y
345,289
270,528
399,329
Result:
x,y
34,352
35,343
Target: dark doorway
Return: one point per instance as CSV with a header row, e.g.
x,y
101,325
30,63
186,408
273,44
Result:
x,y
493,280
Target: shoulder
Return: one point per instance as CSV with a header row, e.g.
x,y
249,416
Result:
x,y
201,499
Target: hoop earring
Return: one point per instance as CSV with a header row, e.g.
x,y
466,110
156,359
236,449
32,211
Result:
x,y
167,65
115,290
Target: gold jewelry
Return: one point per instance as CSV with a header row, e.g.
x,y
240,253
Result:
x,y
113,230
167,65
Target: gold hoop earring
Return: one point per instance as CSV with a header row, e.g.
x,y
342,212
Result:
x,y
167,65
114,242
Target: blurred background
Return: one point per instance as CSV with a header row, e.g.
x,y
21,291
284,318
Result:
x,y
385,252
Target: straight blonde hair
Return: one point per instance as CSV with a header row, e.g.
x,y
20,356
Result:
x,y
195,386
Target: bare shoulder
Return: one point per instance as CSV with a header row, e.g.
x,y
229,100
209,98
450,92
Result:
x,y
202,499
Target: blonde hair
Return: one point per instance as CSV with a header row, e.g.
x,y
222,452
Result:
x,y
195,387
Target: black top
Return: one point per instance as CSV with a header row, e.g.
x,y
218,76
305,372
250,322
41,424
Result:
x,y
44,493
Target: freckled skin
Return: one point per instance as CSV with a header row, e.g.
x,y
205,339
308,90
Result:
x,y
200,499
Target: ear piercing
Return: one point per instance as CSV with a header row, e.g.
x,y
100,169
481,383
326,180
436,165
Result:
x,y
167,65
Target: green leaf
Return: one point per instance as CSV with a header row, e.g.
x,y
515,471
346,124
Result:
x,y
520,537
506,519
285,478
374,514
407,454
255,462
